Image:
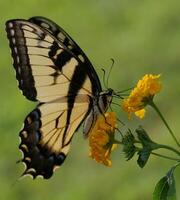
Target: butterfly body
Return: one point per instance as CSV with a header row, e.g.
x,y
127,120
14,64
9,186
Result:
x,y
53,70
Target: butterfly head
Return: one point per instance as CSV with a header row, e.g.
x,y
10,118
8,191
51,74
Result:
x,y
110,93
105,99
107,93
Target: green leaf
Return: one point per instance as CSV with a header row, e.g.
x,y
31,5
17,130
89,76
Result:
x,y
143,136
161,189
128,145
147,146
165,189
146,142
143,157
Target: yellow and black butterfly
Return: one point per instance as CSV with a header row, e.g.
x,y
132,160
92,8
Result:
x,y
53,70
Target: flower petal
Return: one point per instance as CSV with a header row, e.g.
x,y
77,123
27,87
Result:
x,y
140,113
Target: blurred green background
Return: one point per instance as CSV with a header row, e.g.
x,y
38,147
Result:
x,y
142,37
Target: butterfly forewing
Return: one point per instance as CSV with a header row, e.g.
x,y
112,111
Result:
x,y
44,67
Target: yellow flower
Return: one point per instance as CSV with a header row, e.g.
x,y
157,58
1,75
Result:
x,y
100,138
143,93
140,113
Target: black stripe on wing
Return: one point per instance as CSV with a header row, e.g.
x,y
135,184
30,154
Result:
x,y
69,43
79,78
59,59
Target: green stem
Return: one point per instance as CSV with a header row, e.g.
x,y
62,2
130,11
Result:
x,y
163,119
163,156
168,147
116,142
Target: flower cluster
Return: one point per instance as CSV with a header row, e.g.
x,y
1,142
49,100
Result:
x,y
101,138
141,95
135,143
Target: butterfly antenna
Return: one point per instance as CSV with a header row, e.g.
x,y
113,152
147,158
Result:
x,y
113,103
104,77
122,91
117,129
116,95
116,104
110,71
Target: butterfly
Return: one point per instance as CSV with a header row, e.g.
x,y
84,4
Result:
x,y
53,70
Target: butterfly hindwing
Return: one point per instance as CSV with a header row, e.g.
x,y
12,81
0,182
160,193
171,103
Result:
x,y
46,136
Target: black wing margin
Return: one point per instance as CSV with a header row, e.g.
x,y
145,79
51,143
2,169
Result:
x,y
21,63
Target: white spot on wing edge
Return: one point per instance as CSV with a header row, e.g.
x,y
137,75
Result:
x,y
13,40
55,168
15,50
12,32
81,58
19,70
17,59
61,36
10,24
45,25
